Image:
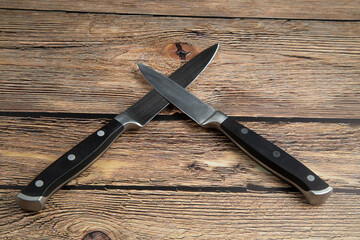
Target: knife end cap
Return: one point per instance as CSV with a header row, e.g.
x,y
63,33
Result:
x,y
30,203
316,197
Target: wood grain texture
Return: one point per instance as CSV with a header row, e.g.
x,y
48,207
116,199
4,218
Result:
x,y
186,155
67,62
296,9
181,215
63,61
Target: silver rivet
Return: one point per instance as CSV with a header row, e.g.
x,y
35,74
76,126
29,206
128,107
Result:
x,y
244,130
39,183
276,154
71,157
100,133
310,178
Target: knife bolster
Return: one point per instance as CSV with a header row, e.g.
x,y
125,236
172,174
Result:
x,y
127,121
215,120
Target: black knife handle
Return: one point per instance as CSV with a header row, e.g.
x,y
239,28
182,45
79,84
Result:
x,y
68,166
276,160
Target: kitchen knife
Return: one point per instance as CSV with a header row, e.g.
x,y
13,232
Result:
x,y
270,156
75,161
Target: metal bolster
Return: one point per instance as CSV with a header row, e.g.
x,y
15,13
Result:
x,y
30,203
215,120
127,121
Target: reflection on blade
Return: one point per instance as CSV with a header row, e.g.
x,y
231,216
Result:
x,y
177,95
152,103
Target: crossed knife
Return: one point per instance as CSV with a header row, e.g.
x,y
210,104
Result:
x,y
172,90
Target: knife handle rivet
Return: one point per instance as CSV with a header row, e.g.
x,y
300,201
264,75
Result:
x,y
100,133
244,130
71,157
276,154
310,178
39,183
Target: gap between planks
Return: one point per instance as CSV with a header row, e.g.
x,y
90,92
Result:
x,y
179,116
179,16
248,188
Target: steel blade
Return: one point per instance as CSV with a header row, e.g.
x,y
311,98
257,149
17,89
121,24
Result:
x,y
152,103
177,95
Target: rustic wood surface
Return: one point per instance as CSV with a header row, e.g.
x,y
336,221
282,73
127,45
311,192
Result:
x,y
263,68
295,9
288,70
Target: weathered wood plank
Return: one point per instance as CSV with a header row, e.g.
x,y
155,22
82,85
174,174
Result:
x,y
186,155
297,9
66,62
181,215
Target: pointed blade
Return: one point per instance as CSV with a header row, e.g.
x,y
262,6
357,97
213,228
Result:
x,y
152,103
177,95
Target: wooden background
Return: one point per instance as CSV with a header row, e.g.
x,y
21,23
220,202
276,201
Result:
x,y
287,69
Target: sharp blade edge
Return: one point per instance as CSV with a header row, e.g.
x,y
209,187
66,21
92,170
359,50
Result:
x,y
152,103
177,95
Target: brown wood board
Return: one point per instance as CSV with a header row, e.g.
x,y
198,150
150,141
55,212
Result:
x,y
296,9
181,215
288,70
268,68
185,155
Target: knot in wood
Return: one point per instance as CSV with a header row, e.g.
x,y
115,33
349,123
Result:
x,y
96,235
181,51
